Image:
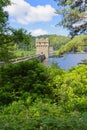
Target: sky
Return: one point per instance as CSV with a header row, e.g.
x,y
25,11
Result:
x,y
35,16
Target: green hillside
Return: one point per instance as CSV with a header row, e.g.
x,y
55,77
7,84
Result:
x,y
57,41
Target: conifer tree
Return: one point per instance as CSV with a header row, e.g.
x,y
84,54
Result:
x,y
74,15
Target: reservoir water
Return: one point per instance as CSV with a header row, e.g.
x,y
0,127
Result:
x,y
67,61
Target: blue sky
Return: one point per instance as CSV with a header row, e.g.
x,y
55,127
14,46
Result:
x,y
36,16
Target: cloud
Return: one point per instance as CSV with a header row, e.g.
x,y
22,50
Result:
x,y
53,26
22,12
38,32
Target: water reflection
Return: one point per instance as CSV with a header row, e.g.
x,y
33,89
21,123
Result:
x,y
67,61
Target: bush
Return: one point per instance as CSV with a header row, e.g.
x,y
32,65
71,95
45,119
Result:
x,y
41,115
16,79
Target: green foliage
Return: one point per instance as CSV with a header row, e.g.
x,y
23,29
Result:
x,y
70,89
23,77
75,45
67,89
3,29
73,12
41,115
9,36
6,52
25,49
21,36
57,41
35,97
22,53
4,18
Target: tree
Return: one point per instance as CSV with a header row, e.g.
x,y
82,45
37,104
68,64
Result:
x,y
3,21
74,15
4,29
77,44
21,35
8,35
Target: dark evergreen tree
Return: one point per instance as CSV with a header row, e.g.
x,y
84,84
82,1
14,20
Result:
x,y
3,21
74,15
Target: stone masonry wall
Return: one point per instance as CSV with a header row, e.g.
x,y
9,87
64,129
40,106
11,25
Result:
x,y
42,46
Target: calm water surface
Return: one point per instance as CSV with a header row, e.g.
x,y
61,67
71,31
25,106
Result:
x,y
67,61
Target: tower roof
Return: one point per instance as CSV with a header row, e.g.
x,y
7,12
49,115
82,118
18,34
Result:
x,y
42,40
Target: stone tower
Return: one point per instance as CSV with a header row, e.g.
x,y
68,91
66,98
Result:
x,y
42,46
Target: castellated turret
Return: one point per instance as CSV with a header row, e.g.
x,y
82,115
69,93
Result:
x,y
42,46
